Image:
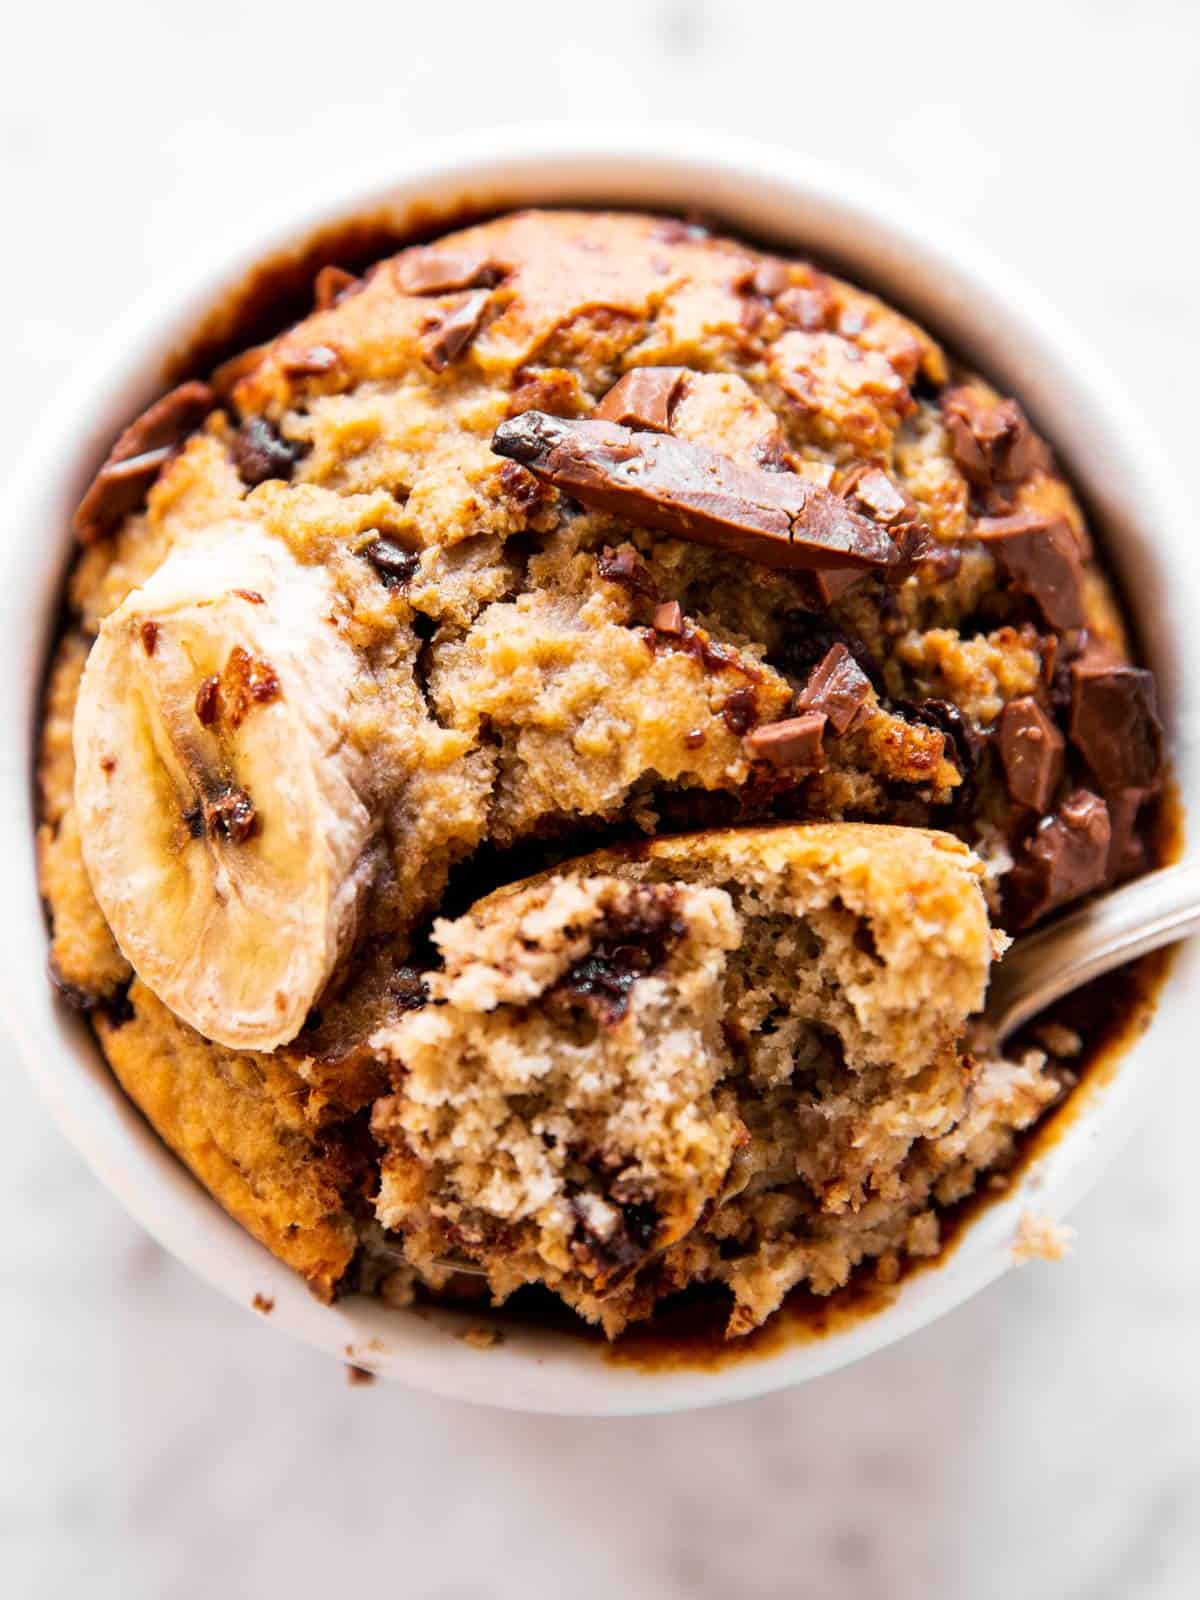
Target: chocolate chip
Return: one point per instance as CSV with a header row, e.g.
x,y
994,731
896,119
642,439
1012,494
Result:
x,y
823,589
1040,557
795,743
872,492
312,362
117,1006
740,711
668,617
1067,857
992,443
454,333
208,700
392,562
613,1254
135,460
643,398
1031,752
1114,724
430,270
261,452
838,688
330,284
625,567
684,489
149,632
627,944
230,815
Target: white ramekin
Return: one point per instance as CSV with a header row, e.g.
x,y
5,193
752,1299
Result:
x,y
1144,521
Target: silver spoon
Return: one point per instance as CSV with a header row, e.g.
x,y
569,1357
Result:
x,y
1105,933
1041,967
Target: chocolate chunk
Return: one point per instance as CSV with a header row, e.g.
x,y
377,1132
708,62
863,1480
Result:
x,y
1114,724
668,617
330,284
429,270
246,682
795,743
683,488
643,398
1031,752
838,688
261,452
624,566
312,362
1066,858
134,461
872,492
1041,559
394,564
992,443
823,589
149,632
455,332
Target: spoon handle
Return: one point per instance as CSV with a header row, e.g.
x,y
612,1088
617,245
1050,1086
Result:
x,y
1111,930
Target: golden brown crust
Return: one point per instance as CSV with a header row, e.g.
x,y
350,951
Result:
x,y
249,1129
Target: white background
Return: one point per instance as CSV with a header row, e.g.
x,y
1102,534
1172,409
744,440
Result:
x,y
1044,1440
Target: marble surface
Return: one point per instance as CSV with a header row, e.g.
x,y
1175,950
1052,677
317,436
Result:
x,y
1042,1441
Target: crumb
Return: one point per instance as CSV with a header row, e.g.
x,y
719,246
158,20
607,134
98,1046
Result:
x,y
1058,1040
358,1375
887,1268
264,1303
481,1338
1040,1237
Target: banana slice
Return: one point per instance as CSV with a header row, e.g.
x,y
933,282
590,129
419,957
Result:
x,y
219,799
